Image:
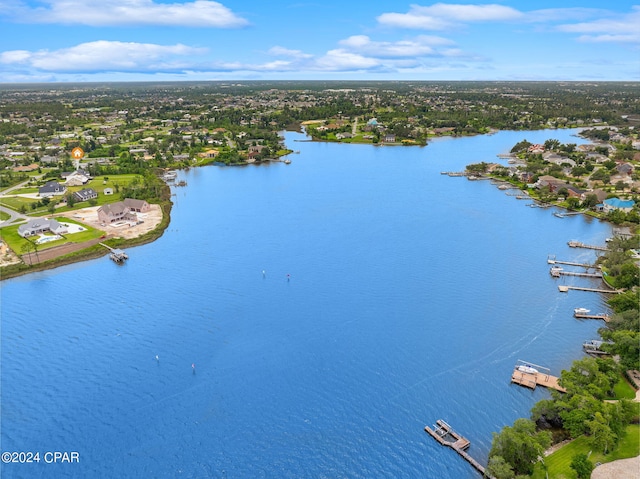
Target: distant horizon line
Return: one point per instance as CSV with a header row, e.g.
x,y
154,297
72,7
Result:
x,y
5,84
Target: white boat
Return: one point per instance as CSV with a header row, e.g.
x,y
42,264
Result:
x,y
525,368
592,344
555,271
581,311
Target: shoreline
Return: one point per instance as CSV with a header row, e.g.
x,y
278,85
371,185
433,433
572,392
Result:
x,y
93,251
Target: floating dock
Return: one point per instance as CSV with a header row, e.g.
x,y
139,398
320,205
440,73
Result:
x,y
531,375
446,436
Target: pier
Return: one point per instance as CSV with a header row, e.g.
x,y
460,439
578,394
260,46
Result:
x,y
117,255
556,273
578,244
531,375
565,289
553,260
446,436
604,317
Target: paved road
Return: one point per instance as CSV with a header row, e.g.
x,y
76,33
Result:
x,y
15,216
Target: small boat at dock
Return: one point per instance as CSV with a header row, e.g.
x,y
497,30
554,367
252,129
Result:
x,y
118,256
555,271
581,311
525,368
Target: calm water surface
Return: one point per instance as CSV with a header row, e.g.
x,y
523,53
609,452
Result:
x,y
392,296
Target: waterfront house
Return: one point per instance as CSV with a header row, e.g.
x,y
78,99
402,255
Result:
x,y
601,195
617,204
139,206
115,212
551,181
52,188
389,138
86,194
41,225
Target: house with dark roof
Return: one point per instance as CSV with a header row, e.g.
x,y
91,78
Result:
x,y
52,188
86,194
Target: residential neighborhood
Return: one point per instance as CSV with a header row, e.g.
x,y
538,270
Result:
x,y
111,152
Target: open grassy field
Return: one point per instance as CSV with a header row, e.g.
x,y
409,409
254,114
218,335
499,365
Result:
x,y
558,462
99,184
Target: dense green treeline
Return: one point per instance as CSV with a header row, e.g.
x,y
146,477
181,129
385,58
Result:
x,y
589,407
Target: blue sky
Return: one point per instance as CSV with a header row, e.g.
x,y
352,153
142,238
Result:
x,y
149,40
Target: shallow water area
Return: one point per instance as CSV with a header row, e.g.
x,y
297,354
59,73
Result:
x,y
331,309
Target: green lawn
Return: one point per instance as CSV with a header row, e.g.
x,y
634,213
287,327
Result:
x,y
624,390
98,184
16,242
558,462
4,216
15,202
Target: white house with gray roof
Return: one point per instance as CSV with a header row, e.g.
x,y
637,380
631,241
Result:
x,y
41,225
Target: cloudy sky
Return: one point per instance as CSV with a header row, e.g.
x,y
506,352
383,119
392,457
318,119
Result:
x,y
147,40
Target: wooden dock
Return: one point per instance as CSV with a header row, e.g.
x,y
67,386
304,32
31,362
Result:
x,y
578,244
446,436
565,289
604,317
538,376
570,263
574,273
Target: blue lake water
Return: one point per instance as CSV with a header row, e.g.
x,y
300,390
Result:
x,y
392,296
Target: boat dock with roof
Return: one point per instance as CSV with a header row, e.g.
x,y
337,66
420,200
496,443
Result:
x,y
117,255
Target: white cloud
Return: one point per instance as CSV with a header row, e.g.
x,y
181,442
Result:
x,y
619,28
606,26
342,60
105,56
468,13
199,13
413,21
419,46
442,16
285,52
610,38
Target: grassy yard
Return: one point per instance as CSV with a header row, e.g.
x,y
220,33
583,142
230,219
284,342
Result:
x,y
15,202
624,390
98,184
4,216
558,462
16,242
